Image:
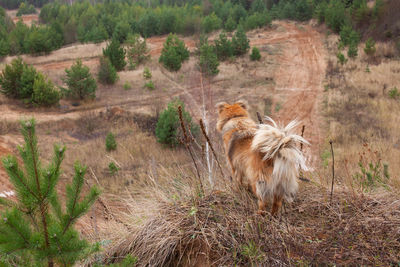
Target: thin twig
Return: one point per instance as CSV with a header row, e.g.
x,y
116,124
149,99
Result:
x,y
301,177
333,168
203,130
186,142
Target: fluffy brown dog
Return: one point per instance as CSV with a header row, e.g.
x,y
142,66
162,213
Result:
x,y
263,156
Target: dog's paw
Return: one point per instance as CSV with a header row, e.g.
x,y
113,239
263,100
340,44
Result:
x,y
261,212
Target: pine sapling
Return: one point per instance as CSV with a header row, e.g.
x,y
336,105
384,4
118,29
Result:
x,y
34,229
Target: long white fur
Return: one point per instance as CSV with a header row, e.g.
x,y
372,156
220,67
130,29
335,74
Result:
x,y
280,144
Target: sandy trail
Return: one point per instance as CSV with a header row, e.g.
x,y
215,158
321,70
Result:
x,y
299,78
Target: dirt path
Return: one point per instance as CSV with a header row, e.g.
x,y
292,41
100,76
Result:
x,y
299,79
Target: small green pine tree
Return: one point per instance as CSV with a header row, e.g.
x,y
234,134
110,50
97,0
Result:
x,y
341,58
168,129
107,73
116,54
44,92
370,47
255,54
208,60
80,82
35,229
111,144
223,47
240,42
173,53
137,51
353,50
113,168
146,73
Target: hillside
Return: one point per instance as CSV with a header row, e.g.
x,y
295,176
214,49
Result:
x,y
174,207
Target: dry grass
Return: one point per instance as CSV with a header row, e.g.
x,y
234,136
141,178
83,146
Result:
x,y
360,111
221,229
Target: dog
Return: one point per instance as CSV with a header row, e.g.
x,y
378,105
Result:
x,y
265,156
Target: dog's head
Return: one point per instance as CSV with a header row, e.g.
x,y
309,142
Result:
x,y
227,112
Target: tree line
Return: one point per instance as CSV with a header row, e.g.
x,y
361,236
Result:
x,y
82,21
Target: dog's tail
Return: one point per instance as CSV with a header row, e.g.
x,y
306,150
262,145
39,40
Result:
x,y
280,145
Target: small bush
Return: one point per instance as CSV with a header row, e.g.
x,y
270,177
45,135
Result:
x,y
394,93
107,73
136,51
353,51
341,58
111,144
149,85
80,82
146,73
370,47
168,129
10,79
173,53
44,92
113,168
116,54
255,54
211,23
127,85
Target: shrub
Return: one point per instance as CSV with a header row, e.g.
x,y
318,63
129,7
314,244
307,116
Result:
x,y
137,51
240,42
150,85
80,82
336,15
173,53
116,54
146,73
4,47
208,60
348,36
255,54
394,93
168,129
44,92
257,20
127,85
353,50
341,58
370,47
35,230
111,144
121,31
107,73
223,47
113,168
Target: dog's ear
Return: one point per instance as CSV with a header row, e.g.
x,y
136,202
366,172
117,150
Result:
x,y
220,106
243,103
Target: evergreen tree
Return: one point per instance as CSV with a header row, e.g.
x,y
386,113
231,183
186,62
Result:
x,y
230,24
107,73
211,23
240,42
223,47
122,31
111,144
116,54
137,51
44,92
10,78
370,47
255,54
173,53
208,60
168,129
80,82
35,229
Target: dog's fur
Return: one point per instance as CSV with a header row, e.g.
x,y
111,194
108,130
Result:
x,y
263,156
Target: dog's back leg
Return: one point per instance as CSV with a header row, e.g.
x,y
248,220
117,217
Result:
x,y
276,204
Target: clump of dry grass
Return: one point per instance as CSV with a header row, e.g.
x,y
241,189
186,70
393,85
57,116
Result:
x,y
221,229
